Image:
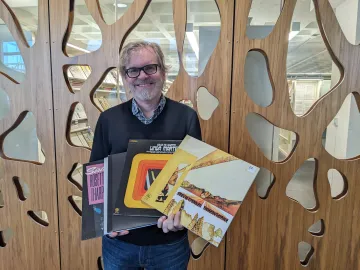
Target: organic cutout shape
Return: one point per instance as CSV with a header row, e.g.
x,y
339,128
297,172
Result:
x,y
2,203
264,182
275,143
75,76
22,188
21,142
305,252
198,247
81,24
206,103
159,29
100,263
343,132
114,10
76,203
311,72
79,133
257,79
338,184
260,23
200,41
11,63
40,217
27,15
347,13
187,102
4,104
301,187
318,228
5,236
110,92
76,174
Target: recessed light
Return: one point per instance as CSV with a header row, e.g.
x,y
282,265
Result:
x,y
121,5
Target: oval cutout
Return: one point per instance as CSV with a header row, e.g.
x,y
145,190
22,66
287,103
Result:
x,y
2,203
200,38
264,181
301,187
338,184
113,10
4,104
262,18
40,217
156,27
85,36
206,103
22,188
79,132
5,236
275,143
76,175
318,228
257,79
305,252
341,136
347,15
76,203
22,143
75,76
27,15
12,63
311,73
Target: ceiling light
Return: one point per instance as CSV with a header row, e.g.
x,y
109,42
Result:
x,y
192,39
120,5
76,47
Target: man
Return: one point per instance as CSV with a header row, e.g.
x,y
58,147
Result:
x,y
148,115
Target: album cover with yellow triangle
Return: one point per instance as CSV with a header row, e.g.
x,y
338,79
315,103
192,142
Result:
x,y
206,184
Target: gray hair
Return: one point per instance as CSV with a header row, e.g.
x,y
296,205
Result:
x,y
137,45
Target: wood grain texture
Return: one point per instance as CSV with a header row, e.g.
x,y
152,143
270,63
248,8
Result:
x,y
266,233
77,254
32,245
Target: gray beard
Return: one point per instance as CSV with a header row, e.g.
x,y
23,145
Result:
x,y
145,94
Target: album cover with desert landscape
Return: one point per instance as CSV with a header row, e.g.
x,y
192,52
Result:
x,y
206,184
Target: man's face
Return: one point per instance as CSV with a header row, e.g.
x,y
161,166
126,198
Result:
x,y
145,87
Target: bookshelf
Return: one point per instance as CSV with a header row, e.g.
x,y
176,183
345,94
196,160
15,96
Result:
x,y
81,133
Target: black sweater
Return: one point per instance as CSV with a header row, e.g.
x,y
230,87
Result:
x,y
117,125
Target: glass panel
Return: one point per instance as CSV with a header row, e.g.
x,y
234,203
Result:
x,y
341,137
111,92
201,35
257,79
85,36
12,64
81,133
310,70
26,12
305,252
157,25
338,184
262,18
206,103
301,186
112,10
275,143
4,104
76,76
317,229
22,143
348,16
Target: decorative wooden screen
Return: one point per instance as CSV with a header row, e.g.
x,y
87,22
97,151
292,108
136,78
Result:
x,y
58,100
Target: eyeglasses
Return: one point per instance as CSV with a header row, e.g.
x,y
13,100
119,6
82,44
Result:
x,y
148,69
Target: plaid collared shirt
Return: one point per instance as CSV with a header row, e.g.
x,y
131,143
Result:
x,y
140,115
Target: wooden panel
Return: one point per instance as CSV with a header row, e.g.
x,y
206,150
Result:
x,y
266,233
32,246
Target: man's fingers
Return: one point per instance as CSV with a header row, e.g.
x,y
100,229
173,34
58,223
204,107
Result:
x,y
165,226
161,221
121,233
113,234
124,232
170,223
177,224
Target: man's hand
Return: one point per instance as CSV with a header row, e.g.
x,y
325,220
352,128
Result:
x,y
114,234
172,223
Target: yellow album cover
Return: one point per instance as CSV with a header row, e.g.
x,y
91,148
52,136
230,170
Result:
x,y
206,184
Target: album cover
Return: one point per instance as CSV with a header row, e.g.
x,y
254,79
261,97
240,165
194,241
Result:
x,y
205,184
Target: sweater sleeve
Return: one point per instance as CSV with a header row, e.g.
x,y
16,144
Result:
x,y
100,148
194,126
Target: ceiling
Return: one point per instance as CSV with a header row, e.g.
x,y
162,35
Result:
x,y
307,52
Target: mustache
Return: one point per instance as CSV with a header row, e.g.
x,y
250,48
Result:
x,y
145,81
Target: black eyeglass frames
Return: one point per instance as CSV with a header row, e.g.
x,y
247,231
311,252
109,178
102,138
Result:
x,y
148,69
